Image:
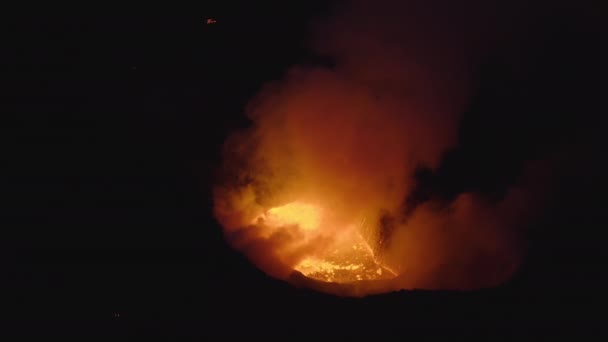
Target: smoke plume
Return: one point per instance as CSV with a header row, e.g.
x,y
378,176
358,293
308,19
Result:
x,y
348,138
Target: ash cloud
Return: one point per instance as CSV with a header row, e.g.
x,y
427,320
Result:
x,y
352,137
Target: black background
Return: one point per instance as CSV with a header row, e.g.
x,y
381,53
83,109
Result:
x,y
112,130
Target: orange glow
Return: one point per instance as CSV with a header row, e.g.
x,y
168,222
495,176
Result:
x,y
350,260
320,190
306,216
347,258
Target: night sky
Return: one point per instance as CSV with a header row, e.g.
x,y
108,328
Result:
x,y
112,127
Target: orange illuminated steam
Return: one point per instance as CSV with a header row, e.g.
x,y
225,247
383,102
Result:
x,y
315,191
305,216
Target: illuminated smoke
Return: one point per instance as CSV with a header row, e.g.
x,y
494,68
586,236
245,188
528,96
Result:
x,y
315,192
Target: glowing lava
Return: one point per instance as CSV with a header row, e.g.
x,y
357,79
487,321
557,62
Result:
x,y
347,258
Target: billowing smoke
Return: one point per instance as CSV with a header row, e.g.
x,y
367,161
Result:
x,y
348,139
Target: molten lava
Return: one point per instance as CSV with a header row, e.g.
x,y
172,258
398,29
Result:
x,y
348,258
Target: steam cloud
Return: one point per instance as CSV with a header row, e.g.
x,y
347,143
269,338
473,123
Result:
x,y
352,136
